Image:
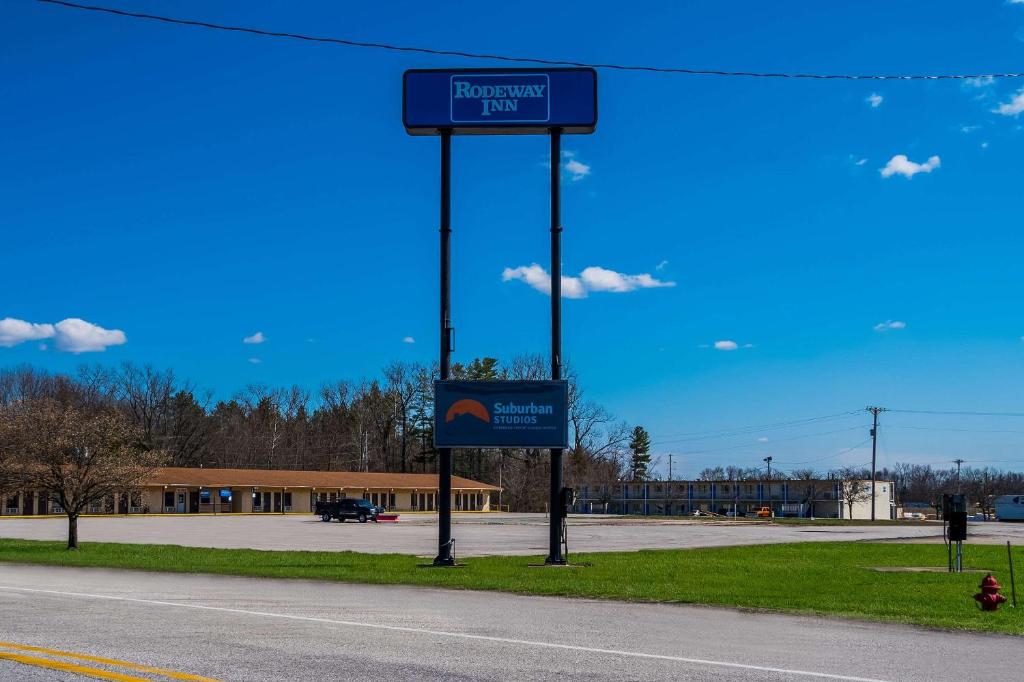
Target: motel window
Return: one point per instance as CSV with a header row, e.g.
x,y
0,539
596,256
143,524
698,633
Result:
x,y
204,497
391,501
12,502
287,499
168,498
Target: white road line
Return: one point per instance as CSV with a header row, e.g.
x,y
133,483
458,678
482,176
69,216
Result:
x,y
456,635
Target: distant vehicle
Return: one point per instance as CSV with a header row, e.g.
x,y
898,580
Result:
x,y
764,513
346,508
1010,508
919,516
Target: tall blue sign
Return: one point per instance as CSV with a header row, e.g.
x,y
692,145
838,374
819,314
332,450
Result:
x,y
501,414
499,101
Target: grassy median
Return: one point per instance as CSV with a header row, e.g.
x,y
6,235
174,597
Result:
x,y
826,578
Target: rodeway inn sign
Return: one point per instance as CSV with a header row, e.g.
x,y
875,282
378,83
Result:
x,y
496,414
514,101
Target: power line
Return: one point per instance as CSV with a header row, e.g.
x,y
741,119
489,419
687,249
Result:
x,y
822,459
742,446
520,60
742,430
961,414
944,428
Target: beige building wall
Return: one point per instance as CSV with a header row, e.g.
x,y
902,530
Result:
x,y
184,499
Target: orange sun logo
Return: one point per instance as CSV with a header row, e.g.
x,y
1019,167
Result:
x,y
468,406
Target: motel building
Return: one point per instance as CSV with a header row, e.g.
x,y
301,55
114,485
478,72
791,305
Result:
x,y
825,499
179,490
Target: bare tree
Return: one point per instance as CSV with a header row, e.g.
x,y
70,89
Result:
x,y
853,488
75,455
401,388
808,486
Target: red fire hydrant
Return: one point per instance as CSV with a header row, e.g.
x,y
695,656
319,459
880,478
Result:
x,y
989,597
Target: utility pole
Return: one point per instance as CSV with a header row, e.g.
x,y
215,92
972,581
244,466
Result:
x,y
670,466
874,451
768,460
958,462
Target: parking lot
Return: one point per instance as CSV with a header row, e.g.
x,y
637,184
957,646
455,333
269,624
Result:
x,y
475,534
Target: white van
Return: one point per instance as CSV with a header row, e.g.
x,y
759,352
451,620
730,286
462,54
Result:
x,y
1010,507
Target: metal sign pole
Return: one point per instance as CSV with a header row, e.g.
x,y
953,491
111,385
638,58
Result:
x,y
444,508
557,512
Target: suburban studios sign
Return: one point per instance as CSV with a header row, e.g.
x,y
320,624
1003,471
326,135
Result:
x,y
495,101
501,414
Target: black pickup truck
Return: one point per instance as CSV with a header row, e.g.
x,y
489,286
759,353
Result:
x,y
347,508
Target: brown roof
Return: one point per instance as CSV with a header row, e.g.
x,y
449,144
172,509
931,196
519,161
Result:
x,y
278,478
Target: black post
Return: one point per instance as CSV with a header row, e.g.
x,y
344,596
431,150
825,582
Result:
x,y
1013,581
874,451
444,508
557,512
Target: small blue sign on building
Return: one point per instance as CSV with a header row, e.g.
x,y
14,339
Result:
x,y
501,414
499,101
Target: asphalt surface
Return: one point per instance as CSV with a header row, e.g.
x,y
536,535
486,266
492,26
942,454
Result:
x,y
475,534
226,628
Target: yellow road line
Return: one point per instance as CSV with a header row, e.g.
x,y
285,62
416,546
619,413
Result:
x,y
69,667
172,674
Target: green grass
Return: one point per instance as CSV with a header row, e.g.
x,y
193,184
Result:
x,y
827,578
792,521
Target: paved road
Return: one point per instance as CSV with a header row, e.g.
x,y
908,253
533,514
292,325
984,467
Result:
x,y
225,628
475,534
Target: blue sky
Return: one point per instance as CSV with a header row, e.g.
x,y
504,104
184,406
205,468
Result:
x,y
190,188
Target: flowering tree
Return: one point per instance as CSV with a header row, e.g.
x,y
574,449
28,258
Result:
x,y
75,455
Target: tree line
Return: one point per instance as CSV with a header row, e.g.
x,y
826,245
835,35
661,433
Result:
x,y
382,423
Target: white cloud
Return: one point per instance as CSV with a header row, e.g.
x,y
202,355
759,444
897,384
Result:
x,y
874,99
860,162
577,170
255,338
255,361
968,129
901,165
762,439
593,278
601,279
1012,108
890,324
13,332
984,145
726,345
408,339
661,266
72,335
981,81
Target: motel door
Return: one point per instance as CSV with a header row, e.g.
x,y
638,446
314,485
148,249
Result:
x,y
180,502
